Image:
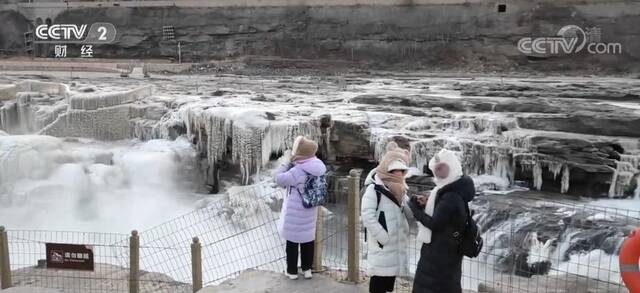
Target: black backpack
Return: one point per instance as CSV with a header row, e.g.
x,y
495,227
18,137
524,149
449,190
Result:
x,y
470,240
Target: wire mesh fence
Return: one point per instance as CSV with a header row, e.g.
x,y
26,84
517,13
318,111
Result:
x,y
548,246
27,255
542,244
236,233
334,227
532,244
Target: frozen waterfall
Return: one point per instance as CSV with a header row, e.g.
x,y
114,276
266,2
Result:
x,y
54,184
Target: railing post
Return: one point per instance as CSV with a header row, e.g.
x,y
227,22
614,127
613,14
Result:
x,y
5,264
353,216
317,252
134,262
196,264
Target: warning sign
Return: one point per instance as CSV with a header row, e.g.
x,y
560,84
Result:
x,y
69,256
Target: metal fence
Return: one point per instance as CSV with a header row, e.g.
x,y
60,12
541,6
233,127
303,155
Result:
x,y
532,244
27,249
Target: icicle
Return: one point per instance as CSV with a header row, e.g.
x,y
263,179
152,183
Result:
x,y
518,141
565,179
420,154
621,179
8,116
537,175
378,142
555,167
486,124
422,151
612,186
251,146
632,159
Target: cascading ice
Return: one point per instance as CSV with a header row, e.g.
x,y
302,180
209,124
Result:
x,y
245,136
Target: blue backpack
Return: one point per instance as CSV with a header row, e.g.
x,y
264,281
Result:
x,y
315,191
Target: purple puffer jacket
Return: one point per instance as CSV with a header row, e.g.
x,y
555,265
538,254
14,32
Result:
x,y
297,223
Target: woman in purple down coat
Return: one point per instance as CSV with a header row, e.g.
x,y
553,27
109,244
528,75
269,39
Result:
x,y
297,224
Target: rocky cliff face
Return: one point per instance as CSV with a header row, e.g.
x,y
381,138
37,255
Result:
x,y
14,25
457,34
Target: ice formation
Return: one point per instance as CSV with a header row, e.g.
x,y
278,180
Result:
x,y
626,170
485,144
94,101
493,146
538,251
247,132
245,136
30,105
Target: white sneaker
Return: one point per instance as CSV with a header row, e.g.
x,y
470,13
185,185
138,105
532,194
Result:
x,y
308,274
291,276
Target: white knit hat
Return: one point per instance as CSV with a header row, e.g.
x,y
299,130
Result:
x,y
397,165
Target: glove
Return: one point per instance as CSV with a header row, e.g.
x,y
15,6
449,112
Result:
x,y
414,202
419,214
289,165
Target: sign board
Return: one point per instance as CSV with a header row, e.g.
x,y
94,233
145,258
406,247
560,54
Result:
x,y
69,256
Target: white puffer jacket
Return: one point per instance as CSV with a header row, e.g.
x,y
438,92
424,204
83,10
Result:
x,y
391,259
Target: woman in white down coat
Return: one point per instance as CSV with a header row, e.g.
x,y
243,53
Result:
x,y
385,213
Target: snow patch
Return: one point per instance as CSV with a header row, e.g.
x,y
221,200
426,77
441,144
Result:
x,y
591,264
600,217
489,182
538,251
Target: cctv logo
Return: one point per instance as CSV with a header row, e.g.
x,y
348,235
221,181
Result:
x,y
98,33
570,39
60,31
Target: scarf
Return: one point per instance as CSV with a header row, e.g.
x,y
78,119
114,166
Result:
x,y
395,183
296,159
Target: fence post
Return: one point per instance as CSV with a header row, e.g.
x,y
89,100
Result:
x,y
353,216
5,264
196,264
317,252
134,262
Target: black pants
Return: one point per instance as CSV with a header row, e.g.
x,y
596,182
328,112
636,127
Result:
x,y
378,284
306,256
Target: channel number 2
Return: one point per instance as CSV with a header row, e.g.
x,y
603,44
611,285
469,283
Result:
x,y
103,33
